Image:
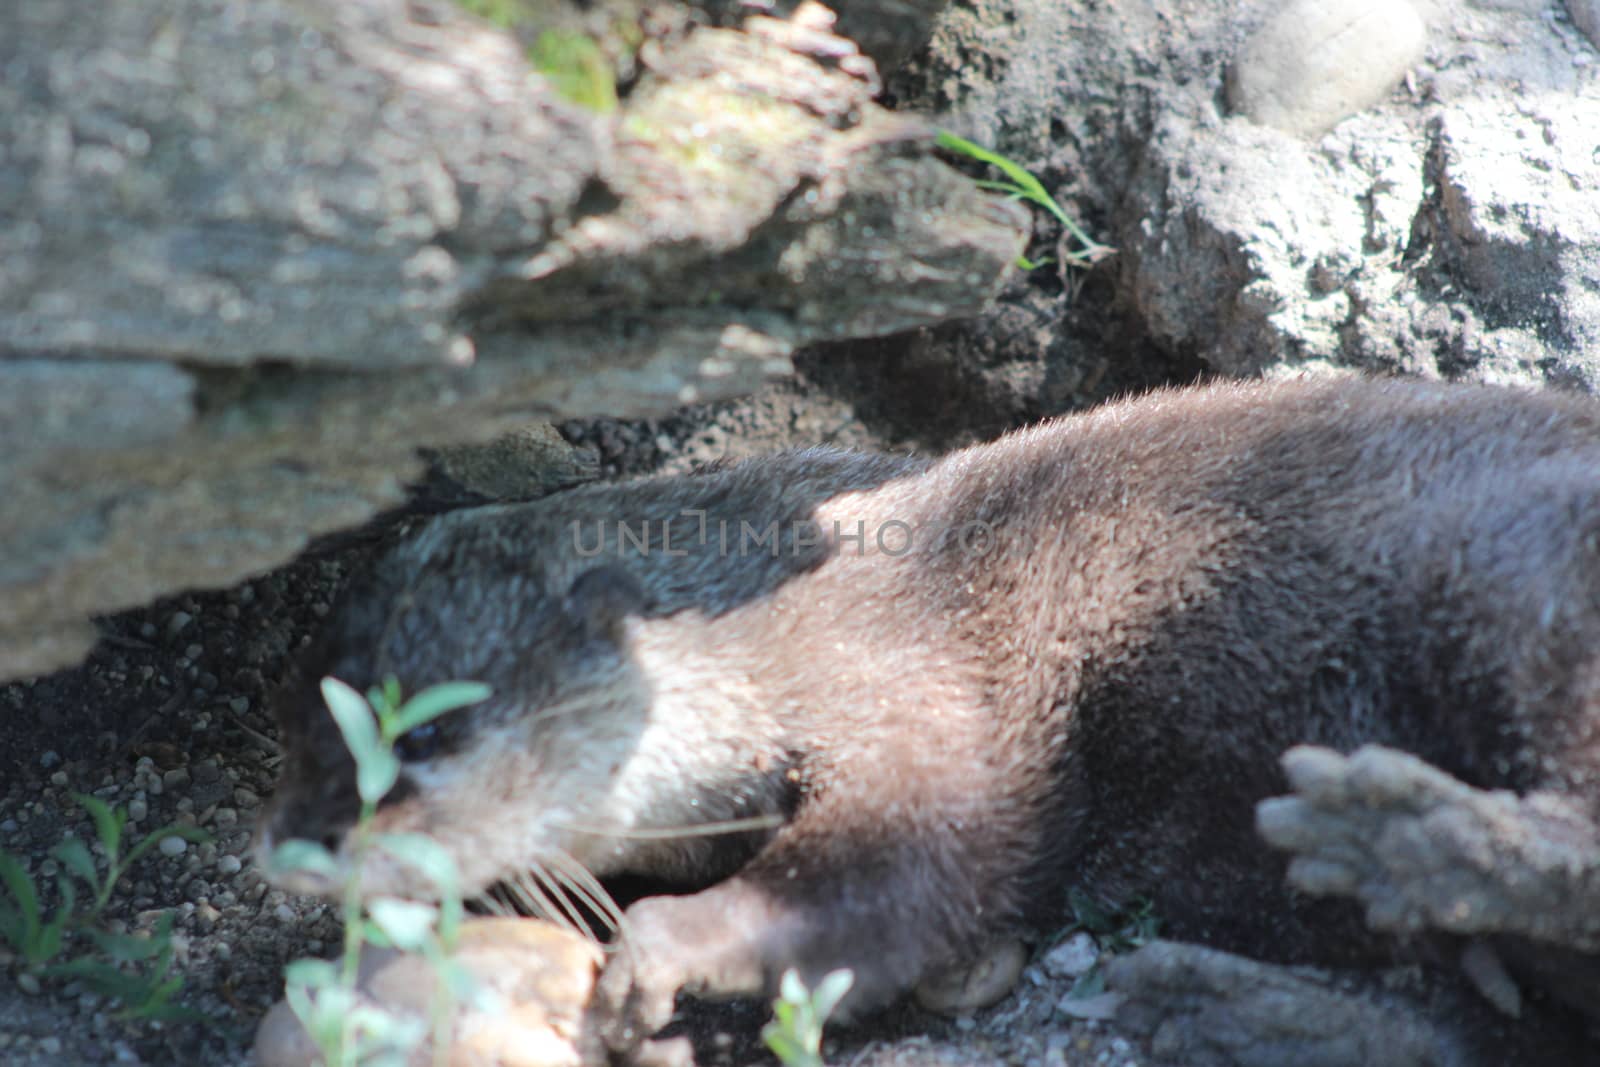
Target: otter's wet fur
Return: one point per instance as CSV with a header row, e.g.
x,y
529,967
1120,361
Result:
x,y
1082,672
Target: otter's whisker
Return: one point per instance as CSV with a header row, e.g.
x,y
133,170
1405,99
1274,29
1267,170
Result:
x,y
528,896
574,920
588,889
678,833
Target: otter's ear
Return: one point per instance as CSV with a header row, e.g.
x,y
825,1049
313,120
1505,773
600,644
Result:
x,y
601,597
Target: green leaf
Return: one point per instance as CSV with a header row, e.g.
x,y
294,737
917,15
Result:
x,y
436,864
125,948
1025,187
321,1010
298,854
408,923
1089,984
101,978
830,991
791,988
353,715
20,885
372,934
108,823
75,857
1029,186
48,943
391,694
435,701
376,775
377,769
311,974
11,930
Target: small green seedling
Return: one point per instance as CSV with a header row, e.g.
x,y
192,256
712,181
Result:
x,y
795,1033
135,971
322,993
1024,186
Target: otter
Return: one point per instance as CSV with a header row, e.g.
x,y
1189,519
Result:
x,y
1108,653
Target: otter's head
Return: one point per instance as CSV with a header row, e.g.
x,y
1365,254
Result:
x,y
501,784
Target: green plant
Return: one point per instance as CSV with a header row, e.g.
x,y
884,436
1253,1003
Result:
x,y
135,971
1024,186
322,993
1116,930
577,69
795,1033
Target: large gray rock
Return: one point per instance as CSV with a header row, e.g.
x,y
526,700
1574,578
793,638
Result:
x,y
1446,227
257,253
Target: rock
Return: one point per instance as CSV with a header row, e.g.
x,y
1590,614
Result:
x,y
252,270
1073,957
1316,62
539,977
1519,184
1586,16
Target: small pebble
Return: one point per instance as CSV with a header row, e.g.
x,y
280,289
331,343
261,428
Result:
x,y
59,778
193,652
283,913
1072,957
138,808
49,759
50,1046
173,846
239,705
206,771
229,865
177,622
176,777
28,983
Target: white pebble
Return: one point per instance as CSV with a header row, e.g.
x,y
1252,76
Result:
x,y
1072,957
173,846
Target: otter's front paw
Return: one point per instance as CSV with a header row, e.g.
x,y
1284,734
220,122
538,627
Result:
x,y
634,998
1422,849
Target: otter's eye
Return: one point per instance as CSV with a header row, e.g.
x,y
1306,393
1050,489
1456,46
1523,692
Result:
x,y
419,742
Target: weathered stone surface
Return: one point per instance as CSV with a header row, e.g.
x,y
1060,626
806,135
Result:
x,y
258,253
1259,252
1586,16
222,182
1316,62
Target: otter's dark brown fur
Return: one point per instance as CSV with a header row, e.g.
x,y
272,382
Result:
x,y
1069,658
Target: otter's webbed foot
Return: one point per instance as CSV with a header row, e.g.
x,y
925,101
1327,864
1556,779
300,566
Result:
x,y
1423,850
1207,1008
704,943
